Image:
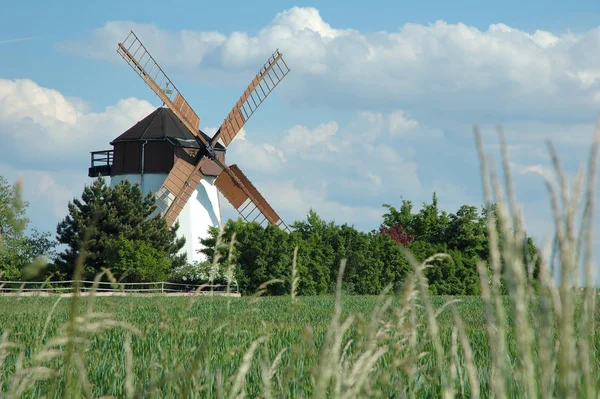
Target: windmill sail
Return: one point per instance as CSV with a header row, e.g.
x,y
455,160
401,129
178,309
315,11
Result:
x,y
137,56
177,188
246,199
269,76
183,178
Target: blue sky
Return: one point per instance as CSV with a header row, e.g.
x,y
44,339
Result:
x,y
379,105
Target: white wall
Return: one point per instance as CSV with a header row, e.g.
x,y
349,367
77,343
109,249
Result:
x,y
201,211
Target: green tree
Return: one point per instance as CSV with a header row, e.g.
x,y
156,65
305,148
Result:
x,y
316,253
136,260
102,215
350,245
13,221
373,259
463,235
18,250
12,226
265,253
260,254
466,234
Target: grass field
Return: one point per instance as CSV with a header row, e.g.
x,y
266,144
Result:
x,y
219,331
177,335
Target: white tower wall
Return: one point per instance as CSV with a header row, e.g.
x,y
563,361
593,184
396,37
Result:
x,y
201,211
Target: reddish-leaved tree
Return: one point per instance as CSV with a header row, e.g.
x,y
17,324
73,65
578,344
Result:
x,y
398,233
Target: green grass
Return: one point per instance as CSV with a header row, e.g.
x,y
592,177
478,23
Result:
x,y
172,334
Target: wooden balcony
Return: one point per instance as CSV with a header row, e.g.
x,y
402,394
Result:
x,y
101,163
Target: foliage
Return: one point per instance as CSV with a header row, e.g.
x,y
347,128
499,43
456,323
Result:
x,y
136,260
463,235
198,273
103,215
18,250
13,221
264,254
259,255
398,233
374,259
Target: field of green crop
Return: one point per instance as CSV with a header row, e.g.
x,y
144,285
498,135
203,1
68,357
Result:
x,y
185,348
217,332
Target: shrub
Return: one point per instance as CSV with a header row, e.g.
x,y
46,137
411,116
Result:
x,y
200,273
136,261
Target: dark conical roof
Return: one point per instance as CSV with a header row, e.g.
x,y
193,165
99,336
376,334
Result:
x,y
162,124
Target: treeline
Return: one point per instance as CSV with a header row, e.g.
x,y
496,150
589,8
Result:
x,y
119,229
374,259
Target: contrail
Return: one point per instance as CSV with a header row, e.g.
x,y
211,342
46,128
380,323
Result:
x,y
22,39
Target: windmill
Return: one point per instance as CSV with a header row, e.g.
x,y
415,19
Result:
x,y
168,154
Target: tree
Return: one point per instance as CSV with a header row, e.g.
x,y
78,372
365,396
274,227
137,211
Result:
x,y
373,259
403,217
13,221
463,235
18,250
136,260
466,234
397,233
316,253
104,219
260,254
265,253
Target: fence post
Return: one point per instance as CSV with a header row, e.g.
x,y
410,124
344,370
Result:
x,y
162,287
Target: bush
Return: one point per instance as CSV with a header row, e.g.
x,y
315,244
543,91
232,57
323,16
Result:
x,y
200,273
136,261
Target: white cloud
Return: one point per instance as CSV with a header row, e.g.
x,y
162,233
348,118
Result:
x,y
261,157
47,192
374,179
356,150
300,139
537,169
249,155
191,46
400,124
306,20
527,145
386,153
453,66
41,122
274,151
294,201
337,170
24,99
240,136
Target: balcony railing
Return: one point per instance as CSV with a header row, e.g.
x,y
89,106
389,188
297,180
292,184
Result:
x,y
101,163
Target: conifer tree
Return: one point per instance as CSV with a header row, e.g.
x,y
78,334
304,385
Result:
x,y
105,217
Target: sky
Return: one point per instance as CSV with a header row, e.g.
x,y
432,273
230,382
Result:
x,y
379,105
